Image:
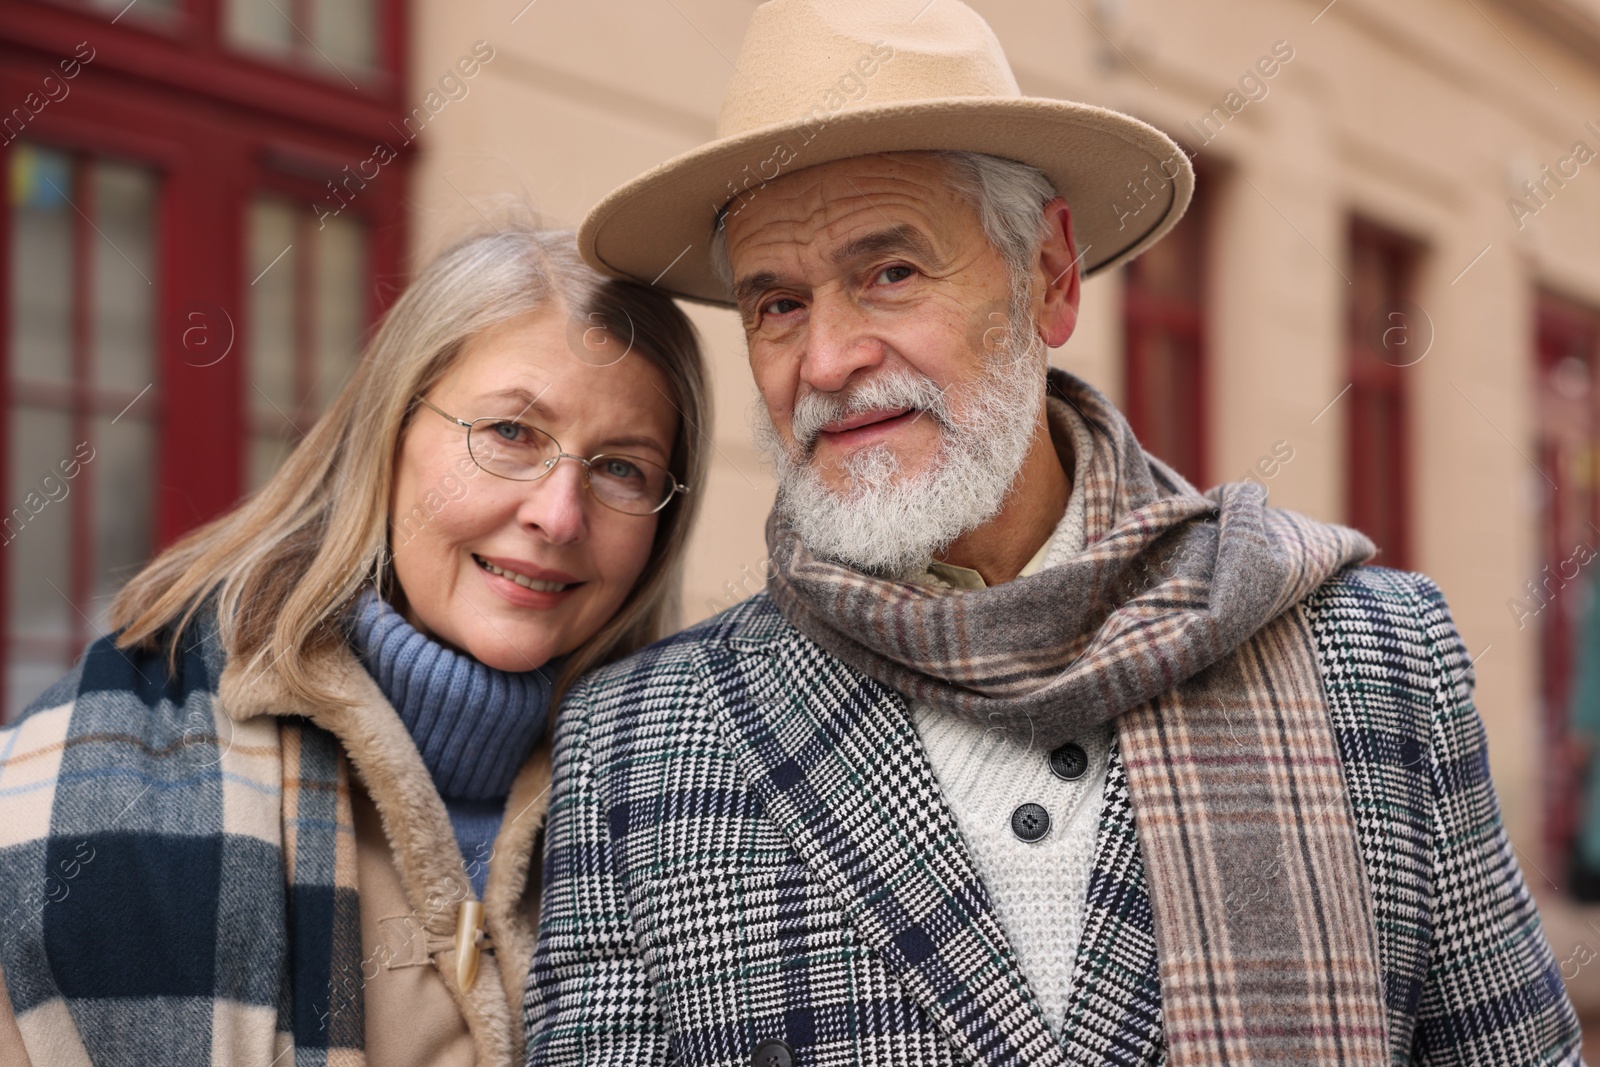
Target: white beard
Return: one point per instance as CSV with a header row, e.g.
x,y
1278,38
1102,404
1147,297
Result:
x,y
892,526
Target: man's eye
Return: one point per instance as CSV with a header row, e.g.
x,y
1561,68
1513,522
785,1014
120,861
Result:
x,y
897,273
781,306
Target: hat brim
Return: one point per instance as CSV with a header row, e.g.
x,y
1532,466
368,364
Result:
x,y
1126,182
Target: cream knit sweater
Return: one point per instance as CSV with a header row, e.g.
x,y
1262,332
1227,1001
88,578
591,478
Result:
x,y
1038,889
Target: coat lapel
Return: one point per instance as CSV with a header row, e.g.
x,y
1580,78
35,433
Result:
x,y
1114,1010
840,769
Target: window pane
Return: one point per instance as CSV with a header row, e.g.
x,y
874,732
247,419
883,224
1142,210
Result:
x,y
343,30
274,264
141,9
337,35
341,268
1171,383
124,493
258,26
41,264
1171,269
1375,416
271,395
123,269
37,533
1567,422
1164,319
1376,474
267,453
69,533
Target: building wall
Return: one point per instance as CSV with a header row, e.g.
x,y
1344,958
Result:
x,y
1420,116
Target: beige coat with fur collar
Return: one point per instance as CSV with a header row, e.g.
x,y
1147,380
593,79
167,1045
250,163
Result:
x,y
407,861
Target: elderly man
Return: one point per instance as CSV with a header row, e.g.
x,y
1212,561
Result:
x,y
1032,753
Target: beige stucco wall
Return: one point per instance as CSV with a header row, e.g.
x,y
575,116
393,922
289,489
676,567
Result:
x,y
1417,115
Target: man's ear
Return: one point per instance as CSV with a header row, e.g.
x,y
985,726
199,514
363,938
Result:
x,y
1056,275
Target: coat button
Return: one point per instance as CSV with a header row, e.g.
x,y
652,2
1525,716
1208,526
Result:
x,y
772,1053
1069,761
1030,822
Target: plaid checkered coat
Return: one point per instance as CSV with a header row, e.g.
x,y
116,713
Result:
x,y
747,842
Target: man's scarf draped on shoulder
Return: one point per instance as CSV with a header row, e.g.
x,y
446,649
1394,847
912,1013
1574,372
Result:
x,y
1180,620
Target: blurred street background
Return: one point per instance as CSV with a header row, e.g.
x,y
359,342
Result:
x,y
1384,303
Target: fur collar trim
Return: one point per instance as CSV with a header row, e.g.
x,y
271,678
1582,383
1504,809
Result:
x,y
420,837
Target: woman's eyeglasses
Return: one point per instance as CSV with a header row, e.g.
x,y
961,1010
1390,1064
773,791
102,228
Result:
x,y
520,452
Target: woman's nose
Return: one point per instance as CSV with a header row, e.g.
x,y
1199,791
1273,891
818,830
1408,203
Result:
x,y
555,503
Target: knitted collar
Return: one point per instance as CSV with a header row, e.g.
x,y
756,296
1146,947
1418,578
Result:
x,y
474,725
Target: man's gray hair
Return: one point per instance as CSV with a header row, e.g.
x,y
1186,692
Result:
x,y
1010,199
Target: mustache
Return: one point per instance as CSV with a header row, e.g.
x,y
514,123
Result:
x,y
894,389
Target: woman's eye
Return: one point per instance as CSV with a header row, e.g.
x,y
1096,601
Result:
x,y
620,469
897,273
512,433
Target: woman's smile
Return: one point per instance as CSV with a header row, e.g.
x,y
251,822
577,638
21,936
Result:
x,y
526,585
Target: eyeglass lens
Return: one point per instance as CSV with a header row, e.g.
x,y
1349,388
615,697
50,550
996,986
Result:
x,y
522,452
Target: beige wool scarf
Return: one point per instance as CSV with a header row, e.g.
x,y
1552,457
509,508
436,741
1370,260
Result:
x,y
1181,620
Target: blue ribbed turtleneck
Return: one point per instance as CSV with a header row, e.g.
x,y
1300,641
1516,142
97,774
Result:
x,y
475,726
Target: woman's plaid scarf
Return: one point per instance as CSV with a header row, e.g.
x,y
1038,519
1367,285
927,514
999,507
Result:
x,y
209,914
1181,620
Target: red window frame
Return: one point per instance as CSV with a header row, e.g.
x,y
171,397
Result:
x,y
81,399
383,266
1377,481
1568,428
219,127
1166,400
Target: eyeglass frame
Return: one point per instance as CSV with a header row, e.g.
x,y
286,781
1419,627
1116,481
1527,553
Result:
x,y
551,464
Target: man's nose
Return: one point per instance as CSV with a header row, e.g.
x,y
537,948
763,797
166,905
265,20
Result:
x,y
838,343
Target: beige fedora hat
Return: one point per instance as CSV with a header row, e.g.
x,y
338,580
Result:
x,y
821,80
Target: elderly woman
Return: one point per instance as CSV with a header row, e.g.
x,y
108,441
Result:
x,y
287,813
